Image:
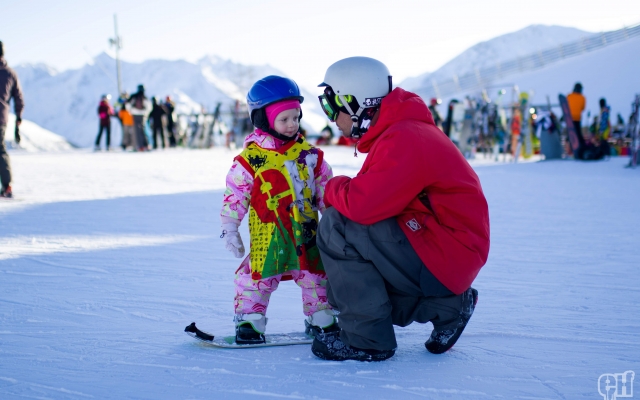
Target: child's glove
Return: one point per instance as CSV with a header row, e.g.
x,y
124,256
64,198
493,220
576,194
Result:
x,y
234,241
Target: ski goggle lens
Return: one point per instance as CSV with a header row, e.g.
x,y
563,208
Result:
x,y
330,111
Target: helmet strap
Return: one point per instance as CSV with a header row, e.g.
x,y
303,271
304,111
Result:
x,y
355,118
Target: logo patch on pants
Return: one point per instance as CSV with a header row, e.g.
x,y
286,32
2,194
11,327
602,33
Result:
x,y
413,224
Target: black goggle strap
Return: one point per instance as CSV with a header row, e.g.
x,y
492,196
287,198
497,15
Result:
x,y
355,117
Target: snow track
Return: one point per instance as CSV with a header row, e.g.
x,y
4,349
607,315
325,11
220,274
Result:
x,y
108,256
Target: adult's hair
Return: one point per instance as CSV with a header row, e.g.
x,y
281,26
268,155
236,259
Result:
x,y
577,88
603,102
1,49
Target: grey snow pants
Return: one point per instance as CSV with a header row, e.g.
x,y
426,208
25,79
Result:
x,y
376,280
5,165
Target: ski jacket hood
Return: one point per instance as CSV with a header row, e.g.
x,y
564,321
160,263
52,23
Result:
x,y
399,105
415,174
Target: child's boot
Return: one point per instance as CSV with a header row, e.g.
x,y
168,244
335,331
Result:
x,y
322,321
250,328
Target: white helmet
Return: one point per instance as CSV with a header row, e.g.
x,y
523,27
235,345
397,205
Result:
x,y
363,78
366,79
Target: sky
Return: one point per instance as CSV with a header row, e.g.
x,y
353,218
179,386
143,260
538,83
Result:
x,y
301,38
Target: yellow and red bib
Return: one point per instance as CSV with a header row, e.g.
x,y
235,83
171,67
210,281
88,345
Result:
x,y
283,213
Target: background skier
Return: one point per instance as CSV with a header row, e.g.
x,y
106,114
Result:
x,y
279,180
407,236
105,111
170,107
126,119
9,88
139,108
437,119
577,104
155,117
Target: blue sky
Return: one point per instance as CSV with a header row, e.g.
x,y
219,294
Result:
x,y
301,38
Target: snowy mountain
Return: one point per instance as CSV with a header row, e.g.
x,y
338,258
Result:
x,y
34,138
502,48
606,72
66,102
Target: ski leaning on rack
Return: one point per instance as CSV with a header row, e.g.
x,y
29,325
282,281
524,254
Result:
x,y
229,342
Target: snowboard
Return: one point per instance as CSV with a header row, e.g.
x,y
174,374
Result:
x,y
229,342
574,139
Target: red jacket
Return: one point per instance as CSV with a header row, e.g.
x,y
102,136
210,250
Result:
x,y
409,155
105,111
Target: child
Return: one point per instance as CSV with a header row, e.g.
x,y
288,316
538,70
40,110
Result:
x,y
279,180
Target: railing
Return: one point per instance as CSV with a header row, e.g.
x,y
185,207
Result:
x,y
479,78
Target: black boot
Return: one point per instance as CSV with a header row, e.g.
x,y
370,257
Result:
x,y
250,328
329,346
443,337
245,334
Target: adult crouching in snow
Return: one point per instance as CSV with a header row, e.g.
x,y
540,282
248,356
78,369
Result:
x,y
407,236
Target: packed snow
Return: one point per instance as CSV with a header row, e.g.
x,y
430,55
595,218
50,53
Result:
x,y
106,257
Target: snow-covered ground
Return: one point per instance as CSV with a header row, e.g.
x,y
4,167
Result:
x,y
106,257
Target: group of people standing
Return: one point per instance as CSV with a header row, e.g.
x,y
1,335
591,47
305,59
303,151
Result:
x,y
134,112
593,142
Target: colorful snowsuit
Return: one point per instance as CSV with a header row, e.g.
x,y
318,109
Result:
x,y
281,186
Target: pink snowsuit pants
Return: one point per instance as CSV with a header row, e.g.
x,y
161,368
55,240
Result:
x,y
252,296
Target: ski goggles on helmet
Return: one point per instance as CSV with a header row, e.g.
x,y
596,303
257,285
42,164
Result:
x,y
329,109
331,103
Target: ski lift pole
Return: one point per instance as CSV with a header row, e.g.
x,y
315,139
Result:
x,y
117,43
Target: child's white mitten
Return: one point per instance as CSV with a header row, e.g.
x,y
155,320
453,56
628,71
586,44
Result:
x,y
234,241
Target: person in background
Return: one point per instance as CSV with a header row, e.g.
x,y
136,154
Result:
x,y
128,131
139,107
9,89
603,130
577,104
105,111
516,127
326,136
155,116
604,122
170,107
434,112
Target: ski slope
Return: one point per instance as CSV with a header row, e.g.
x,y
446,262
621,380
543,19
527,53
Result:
x,y
106,257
